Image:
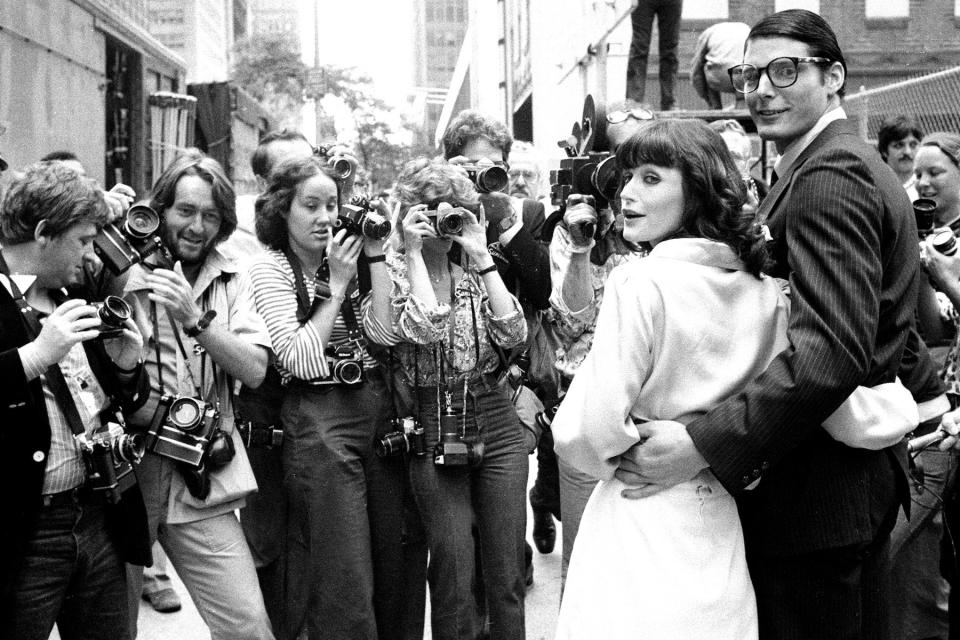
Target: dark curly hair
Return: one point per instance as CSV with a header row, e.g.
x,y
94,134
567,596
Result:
x,y
713,190
273,205
470,125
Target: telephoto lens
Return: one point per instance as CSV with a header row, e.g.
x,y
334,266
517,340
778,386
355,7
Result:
x,y
945,242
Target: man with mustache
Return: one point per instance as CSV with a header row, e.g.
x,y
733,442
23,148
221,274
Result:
x,y
201,332
897,140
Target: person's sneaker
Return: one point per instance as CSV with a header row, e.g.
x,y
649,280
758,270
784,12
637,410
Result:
x,y
163,601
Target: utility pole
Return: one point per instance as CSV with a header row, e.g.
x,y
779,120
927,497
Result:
x,y
317,84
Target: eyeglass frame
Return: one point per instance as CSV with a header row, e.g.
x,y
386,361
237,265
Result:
x,y
761,71
644,114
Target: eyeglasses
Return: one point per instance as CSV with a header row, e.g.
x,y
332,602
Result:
x,y
782,73
618,116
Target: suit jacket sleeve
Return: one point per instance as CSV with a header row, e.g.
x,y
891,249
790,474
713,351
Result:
x,y
832,225
530,260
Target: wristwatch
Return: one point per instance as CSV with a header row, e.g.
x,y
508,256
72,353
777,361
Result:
x,y
202,324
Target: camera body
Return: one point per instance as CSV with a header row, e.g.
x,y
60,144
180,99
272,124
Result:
x,y
113,312
406,438
358,218
109,455
487,179
346,366
453,450
182,429
446,222
593,174
120,245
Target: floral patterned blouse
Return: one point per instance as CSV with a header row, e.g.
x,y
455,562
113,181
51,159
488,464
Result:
x,y
453,335
575,328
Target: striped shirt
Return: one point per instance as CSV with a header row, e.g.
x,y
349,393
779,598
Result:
x,y
299,348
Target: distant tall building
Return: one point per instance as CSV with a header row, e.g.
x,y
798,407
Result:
x,y
439,29
275,16
202,32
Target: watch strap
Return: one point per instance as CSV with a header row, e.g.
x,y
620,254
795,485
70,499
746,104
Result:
x,y
202,323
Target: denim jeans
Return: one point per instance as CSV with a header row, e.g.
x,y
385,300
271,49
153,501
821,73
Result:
x,y
668,14
264,522
353,569
490,494
72,575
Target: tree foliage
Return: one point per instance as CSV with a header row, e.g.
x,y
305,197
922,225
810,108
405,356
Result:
x,y
269,67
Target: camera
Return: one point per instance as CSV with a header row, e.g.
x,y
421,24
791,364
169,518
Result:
x,y
121,245
945,242
341,165
359,218
109,455
923,210
183,429
487,179
346,367
448,222
453,450
589,168
113,312
407,438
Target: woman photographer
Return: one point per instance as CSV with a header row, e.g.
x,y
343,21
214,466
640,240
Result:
x,y
345,559
449,307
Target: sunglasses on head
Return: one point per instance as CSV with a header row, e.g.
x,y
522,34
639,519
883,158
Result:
x,y
620,115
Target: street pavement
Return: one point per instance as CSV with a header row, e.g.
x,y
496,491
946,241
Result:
x,y
541,603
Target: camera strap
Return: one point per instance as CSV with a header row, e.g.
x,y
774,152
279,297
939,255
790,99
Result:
x,y
198,388
53,374
306,309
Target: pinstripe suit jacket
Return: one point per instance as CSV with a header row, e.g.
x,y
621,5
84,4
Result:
x,y
845,237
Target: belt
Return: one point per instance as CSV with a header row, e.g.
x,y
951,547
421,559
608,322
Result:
x,y
78,495
257,434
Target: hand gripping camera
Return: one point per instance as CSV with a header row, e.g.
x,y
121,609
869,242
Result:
x,y
589,169
113,312
407,438
120,245
454,450
109,455
359,218
487,179
446,222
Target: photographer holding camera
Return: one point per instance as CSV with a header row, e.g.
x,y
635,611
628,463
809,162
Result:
x,y
202,333
352,569
446,313
74,513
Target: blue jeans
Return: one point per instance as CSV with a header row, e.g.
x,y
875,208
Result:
x,y
72,575
490,494
668,14
353,570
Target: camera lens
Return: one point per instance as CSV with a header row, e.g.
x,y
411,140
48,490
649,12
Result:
x,y
391,444
185,413
375,226
491,179
450,223
114,311
347,371
606,178
342,167
142,221
129,447
945,242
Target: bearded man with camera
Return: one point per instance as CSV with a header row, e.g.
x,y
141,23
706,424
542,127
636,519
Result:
x,y
73,512
202,335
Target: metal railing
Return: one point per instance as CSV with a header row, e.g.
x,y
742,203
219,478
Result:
x,y
932,99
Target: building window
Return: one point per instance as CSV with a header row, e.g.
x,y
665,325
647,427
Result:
x,y
809,5
707,10
888,9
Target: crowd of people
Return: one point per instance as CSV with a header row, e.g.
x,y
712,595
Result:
x,y
320,407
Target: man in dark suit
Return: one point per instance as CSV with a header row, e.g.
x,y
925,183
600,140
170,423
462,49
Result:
x,y
817,524
64,541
